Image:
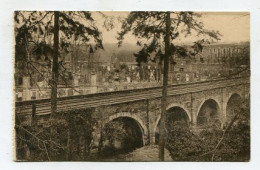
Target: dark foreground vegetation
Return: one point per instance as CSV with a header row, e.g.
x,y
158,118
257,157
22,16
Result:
x,y
70,138
212,144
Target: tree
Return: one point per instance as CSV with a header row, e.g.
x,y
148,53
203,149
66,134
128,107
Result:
x,y
55,66
65,26
156,27
46,37
213,144
141,58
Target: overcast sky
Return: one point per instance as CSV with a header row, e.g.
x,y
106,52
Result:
x,y
234,27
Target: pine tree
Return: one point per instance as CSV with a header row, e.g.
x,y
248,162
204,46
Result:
x,y
35,29
155,30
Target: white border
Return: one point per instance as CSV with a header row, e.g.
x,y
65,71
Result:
x,y
6,72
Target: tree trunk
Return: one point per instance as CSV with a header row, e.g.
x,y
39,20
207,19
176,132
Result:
x,y
55,66
141,72
164,90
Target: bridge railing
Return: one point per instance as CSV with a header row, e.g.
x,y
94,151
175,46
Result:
x,y
43,106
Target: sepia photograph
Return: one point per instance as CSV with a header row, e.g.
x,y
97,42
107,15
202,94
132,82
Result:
x,y
131,86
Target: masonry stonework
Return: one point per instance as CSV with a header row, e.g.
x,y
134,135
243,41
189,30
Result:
x,y
147,112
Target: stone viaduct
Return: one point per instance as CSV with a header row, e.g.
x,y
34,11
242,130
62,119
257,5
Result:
x,y
217,98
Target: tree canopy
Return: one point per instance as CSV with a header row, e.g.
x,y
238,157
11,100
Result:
x,y
36,28
149,29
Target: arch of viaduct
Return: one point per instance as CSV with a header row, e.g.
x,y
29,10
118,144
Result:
x,y
147,112
144,106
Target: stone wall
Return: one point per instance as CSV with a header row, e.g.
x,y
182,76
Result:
x,y
147,112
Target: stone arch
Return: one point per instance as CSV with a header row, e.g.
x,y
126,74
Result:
x,y
138,120
233,105
170,106
235,92
209,108
204,100
180,106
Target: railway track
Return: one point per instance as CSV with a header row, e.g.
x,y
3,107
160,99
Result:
x,y
43,107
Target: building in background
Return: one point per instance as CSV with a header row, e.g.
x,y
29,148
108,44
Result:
x,y
86,71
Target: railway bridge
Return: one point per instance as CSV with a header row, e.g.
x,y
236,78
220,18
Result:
x,y
197,103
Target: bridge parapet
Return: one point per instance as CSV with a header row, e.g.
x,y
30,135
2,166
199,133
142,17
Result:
x,y
101,99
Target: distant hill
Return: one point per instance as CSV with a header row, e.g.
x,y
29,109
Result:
x,y
123,53
110,52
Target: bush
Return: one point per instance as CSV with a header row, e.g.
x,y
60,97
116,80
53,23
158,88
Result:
x,y
212,144
66,136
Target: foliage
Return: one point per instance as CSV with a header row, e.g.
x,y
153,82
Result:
x,y
149,29
65,137
37,26
230,144
34,31
182,143
158,27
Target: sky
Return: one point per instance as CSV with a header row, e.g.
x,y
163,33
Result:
x,y
233,26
